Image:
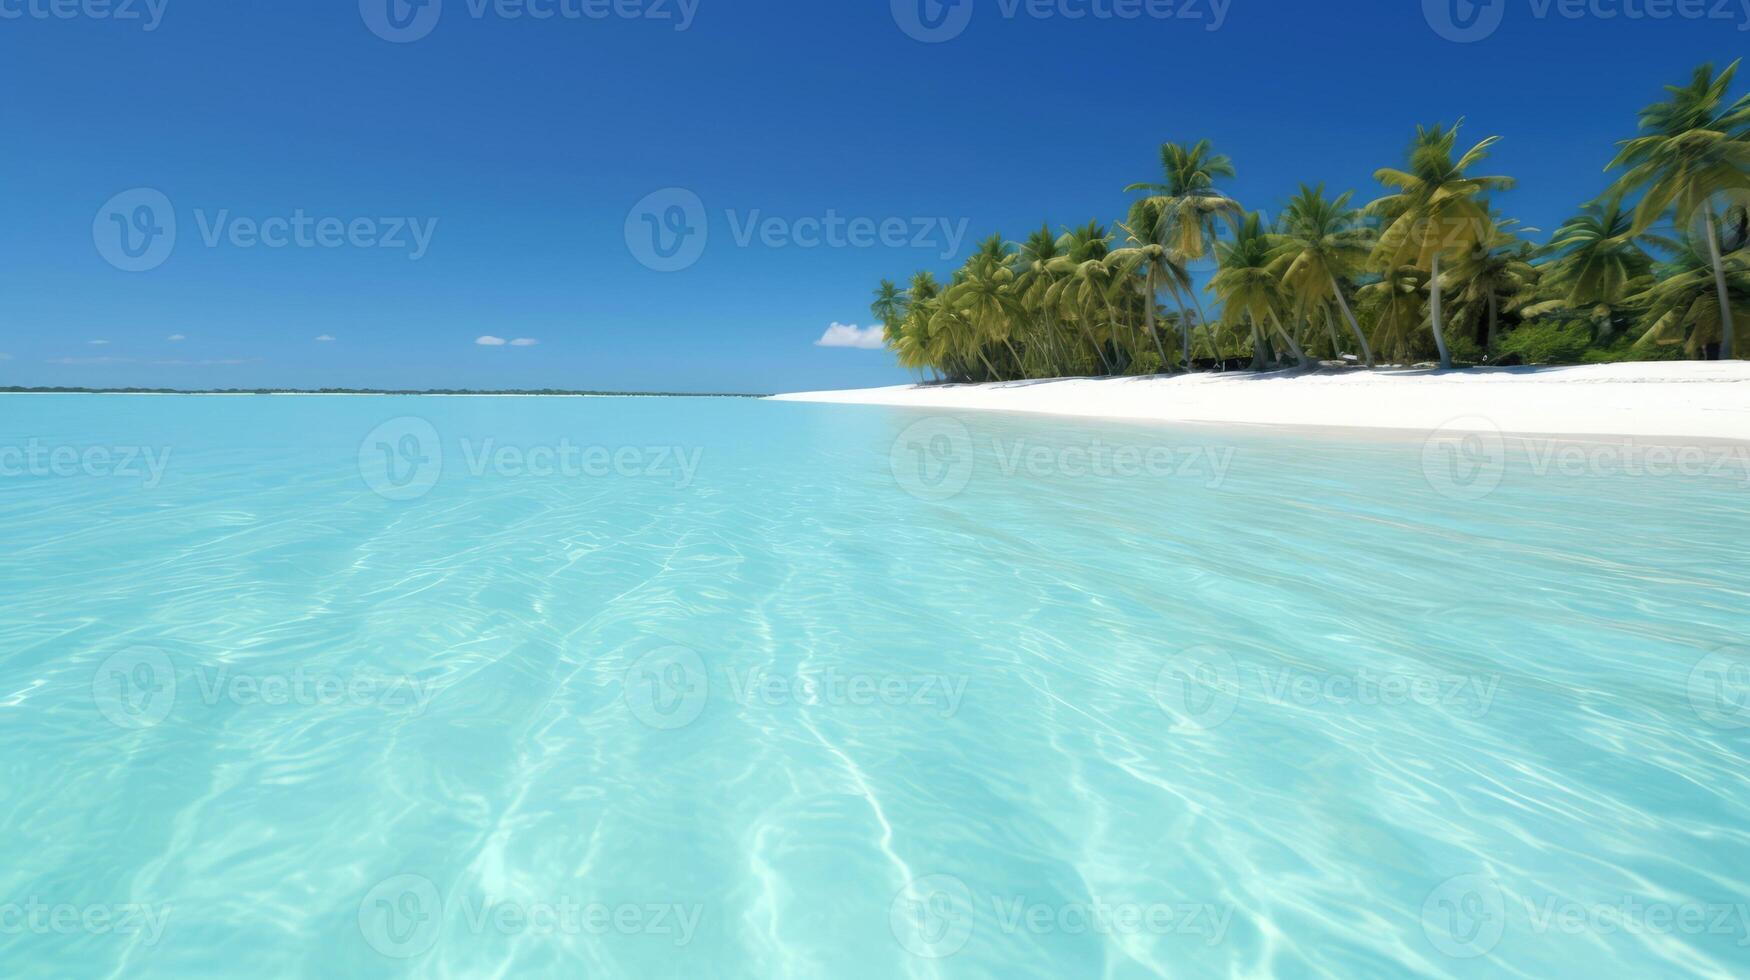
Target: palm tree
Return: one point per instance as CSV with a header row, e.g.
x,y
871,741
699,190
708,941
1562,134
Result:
x,y
1683,307
889,309
1186,199
1435,211
1397,307
1157,266
1323,244
1696,150
913,353
984,295
1035,260
1247,287
1084,284
1494,277
956,335
922,299
1069,303
1188,204
1597,264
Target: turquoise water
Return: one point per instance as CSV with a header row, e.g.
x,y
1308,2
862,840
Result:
x,y
641,687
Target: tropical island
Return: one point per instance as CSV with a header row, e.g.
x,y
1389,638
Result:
x,y
1658,268
1348,311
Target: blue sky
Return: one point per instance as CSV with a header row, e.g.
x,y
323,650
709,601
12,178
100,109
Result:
x,y
520,146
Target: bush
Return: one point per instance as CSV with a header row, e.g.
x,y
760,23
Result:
x,y
1549,342
1146,362
1625,349
1465,350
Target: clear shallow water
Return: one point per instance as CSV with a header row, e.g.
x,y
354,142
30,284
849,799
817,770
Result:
x,y
1250,706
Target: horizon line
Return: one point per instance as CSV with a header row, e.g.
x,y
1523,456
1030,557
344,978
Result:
x,y
399,392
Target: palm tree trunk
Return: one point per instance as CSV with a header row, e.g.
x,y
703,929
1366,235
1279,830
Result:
x,y
995,375
1294,347
1331,328
1031,338
1184,328
1087,335
1203,324
1082,321
1258,344
1434,311
1045,342
1060,344
1148,317
1118,348
1349,315
1020,366
1728,342
1494,318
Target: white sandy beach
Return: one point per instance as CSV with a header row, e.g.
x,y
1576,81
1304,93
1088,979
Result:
x,y
1684,399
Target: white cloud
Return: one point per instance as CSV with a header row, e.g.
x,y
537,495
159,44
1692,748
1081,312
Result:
x,y
97,343
325,339
175,338
852,336
490,341
524,342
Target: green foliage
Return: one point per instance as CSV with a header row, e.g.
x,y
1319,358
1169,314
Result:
x,y
1148,362
1465,350
1625,349
1431,270
1691,161
1550,342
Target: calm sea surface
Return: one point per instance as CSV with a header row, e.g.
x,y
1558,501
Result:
x,y
464,687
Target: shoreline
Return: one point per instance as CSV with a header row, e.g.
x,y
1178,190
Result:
x,y
1658,399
